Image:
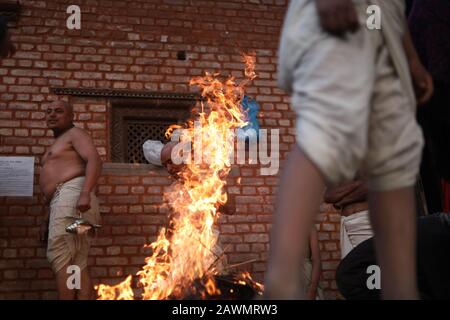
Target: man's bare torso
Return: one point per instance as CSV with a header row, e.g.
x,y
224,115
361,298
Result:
x,y
59,164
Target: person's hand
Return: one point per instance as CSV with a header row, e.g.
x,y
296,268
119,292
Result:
x,y
84,202
337,16
311,294
43,231
422,80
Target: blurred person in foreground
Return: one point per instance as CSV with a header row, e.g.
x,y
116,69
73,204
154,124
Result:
x,y
353,91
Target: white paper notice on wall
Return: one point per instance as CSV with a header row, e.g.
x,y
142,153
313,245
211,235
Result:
x,y
16,176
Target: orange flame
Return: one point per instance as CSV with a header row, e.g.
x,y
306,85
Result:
x,y
188,250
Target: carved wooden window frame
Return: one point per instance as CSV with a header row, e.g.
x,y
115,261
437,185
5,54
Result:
x,y
123,111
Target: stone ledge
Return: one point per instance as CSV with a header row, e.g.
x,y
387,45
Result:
x,y
131,169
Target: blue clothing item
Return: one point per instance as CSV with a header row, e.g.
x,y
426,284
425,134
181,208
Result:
x,y
251,109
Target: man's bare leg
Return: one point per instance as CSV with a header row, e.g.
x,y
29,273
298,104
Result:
x,y
85,292
393,219
298,200
64,293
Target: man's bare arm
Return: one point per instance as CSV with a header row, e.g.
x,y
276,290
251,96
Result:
x,y
84,146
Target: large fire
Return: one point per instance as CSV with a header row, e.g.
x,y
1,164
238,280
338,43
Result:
x,y
188,250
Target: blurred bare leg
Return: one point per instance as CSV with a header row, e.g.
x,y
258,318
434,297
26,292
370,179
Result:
x,y
85,292
298,200
393,219
64,293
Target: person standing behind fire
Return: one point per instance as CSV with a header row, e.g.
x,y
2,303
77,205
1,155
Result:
x,y
159,154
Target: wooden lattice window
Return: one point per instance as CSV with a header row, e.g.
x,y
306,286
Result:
x,y
135,121
139,131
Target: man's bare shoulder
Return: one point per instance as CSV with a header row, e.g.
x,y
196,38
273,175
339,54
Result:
x,y
78,133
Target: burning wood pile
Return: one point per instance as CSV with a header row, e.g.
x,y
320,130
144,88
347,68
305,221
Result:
x,y
186,260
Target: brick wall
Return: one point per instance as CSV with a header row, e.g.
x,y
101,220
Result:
x,y
133,45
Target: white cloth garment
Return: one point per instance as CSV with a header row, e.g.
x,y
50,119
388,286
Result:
x,y
355,229
152,151
353,96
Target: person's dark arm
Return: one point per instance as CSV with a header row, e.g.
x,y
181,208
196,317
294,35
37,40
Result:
x,y
359,194
334,195
422,80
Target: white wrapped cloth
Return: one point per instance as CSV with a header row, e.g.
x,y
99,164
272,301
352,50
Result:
x,y
355,229
152,151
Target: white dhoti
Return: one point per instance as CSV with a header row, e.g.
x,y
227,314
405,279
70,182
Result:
x,y
65,248
355,229
353,96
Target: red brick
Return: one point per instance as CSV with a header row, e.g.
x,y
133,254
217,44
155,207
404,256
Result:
x,y
328,227
330,246
242,228
256,237
241,218
241,257
111,261
6,132
9,253
157,181
149,230
97,272
113,251
104,189
242,248
231,239
135,209
123,180
27,274
152,199
137,190
121,189
227,229
123,199
130,240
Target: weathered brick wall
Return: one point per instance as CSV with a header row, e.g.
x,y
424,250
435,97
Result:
x,y
133,45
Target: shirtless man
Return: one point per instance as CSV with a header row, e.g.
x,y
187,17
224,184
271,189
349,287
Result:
x,y
69,173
